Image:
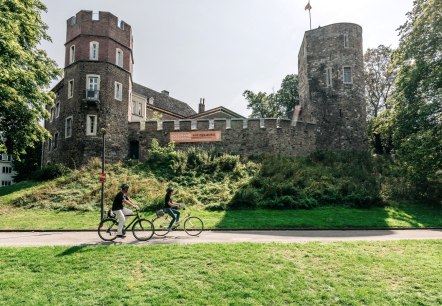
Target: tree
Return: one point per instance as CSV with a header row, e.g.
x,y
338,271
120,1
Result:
x,y
416,116
25,74
274,105
379,79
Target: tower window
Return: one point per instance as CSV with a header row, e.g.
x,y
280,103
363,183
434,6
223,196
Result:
x,y
345,40
91,125
119,58
93,50
70,89
347,77
55,141
328,77
118,91
72,54
57,109
67,128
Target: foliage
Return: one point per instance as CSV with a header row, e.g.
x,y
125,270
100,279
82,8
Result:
x,y
29,163
25,72
416,116
274,105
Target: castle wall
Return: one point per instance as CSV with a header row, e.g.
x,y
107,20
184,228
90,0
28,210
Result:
x,y
255,136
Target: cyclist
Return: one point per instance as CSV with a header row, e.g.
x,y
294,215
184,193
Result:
x,y
169,208
118,208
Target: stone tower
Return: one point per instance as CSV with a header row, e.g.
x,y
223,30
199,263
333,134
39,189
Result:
x,y
331,86
94,93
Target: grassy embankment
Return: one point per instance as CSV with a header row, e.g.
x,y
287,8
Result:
x,y
361,273
324,190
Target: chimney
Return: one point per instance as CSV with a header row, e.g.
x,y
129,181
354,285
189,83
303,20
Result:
x,y
201,106
165,92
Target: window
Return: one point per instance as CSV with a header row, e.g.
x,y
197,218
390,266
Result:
x,y
6,183
119,58
118,91
93,50
347,78
52,114
55,141
72,54
7,170
67,128
345,40
91,125
70,89
328,77
57,110
92,86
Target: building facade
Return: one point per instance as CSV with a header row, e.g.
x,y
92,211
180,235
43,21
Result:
x,y
98,98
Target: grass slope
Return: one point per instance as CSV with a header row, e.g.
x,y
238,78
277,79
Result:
x,y
360,273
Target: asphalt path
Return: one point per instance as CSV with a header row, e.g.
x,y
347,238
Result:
x,y
69,238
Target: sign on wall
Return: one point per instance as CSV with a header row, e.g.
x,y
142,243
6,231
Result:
x,y
197,136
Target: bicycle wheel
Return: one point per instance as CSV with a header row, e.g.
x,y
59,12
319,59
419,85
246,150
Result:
x,y
193,226
161,224
143,230
107,230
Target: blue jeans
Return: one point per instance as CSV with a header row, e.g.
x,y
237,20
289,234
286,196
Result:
x,y
172,212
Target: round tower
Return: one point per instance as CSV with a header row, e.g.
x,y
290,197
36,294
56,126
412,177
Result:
x,y
95,92
331,85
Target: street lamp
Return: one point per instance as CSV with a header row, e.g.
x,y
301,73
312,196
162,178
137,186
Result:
x,y
103,174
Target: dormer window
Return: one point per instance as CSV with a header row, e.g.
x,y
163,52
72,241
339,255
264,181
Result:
x,y
119,58
72,54
93,50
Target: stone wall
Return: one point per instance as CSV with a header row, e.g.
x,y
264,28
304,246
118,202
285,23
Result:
x,y
245,137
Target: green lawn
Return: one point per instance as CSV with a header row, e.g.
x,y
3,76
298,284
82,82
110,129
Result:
x,y
403,215
357,273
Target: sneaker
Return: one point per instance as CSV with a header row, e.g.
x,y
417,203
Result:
x,y
121,236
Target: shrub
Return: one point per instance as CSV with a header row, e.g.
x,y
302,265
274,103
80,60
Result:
x,y
49,172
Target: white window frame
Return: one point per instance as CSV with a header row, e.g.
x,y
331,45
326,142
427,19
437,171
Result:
x,y
94,46
346,40
66,134
91,125
118,94
71,54
344,74
119,55
57,109
329,76
70,88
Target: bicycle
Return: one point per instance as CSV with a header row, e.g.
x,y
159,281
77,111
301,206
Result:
x,y
142,229
193,226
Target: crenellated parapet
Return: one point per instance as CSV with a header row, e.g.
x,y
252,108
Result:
x,y
241,136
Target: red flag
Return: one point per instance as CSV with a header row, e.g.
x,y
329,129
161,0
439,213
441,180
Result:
x,y
308,6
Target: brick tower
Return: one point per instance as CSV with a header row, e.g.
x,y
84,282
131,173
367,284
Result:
x,y
94,93
331,86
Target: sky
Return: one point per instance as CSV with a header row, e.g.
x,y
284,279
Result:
x,y
217,49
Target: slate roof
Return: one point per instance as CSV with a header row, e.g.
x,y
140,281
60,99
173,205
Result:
x,y
164,101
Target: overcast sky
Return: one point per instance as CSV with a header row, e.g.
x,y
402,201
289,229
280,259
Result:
x,y
216,49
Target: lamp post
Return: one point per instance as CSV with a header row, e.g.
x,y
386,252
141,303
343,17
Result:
x,y
103,175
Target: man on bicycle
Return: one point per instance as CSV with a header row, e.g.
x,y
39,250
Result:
x,y
118,208
170,210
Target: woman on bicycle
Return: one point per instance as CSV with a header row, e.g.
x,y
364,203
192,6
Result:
x,y
169,208
118,208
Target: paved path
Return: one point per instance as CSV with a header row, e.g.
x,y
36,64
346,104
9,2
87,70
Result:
x,y
179,237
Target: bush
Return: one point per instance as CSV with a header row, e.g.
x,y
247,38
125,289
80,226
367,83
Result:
x,y
49,172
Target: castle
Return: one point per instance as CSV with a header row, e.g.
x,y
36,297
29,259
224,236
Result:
x,y
97,98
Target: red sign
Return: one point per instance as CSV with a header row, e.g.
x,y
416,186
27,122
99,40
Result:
x,y
196,136
102,177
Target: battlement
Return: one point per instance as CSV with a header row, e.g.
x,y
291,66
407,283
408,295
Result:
x,y
241,136
102,24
